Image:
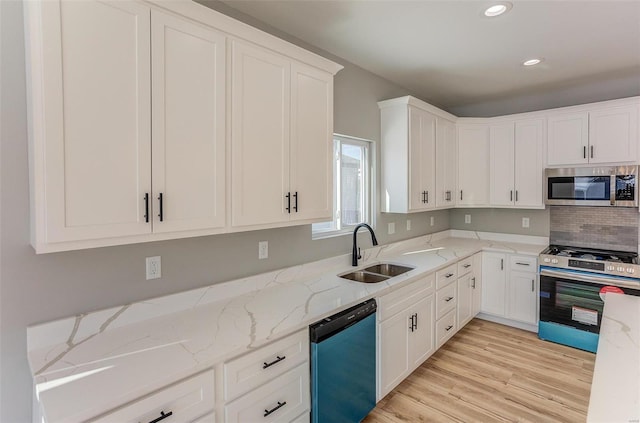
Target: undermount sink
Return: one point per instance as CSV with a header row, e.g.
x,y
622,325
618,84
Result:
x,y
388,269
376,273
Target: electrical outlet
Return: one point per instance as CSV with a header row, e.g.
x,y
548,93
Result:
x,y
525,222
432,221
408,224
154,268
263,250
392,228
467,218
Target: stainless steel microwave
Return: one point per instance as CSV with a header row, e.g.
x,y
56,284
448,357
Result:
x,y
592,186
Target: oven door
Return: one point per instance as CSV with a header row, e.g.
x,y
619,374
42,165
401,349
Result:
x,y
572,298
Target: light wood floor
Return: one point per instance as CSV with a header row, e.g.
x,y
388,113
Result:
x,y
493,373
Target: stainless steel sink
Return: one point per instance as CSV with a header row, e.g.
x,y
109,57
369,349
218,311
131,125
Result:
x,y
366,277
377,273
388,269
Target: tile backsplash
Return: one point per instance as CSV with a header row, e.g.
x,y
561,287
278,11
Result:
x,y
611,228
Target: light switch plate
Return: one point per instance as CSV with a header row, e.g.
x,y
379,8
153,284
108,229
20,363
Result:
x,y
154,268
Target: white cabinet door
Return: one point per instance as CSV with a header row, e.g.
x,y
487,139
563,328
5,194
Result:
x,y
494,282
476,284
188,132
529,163
446,163
421,338
502,153
311,174
523,295
473,165
393,352
465,300
422,137
96,129
567,139
260,101
613,135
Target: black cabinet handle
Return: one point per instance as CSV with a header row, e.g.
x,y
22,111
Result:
x,y
501,264
584,151
146,207
592,152
522,264
448,299
448,275
161,214
473,285
427,197
295,207
422,193
276,361
511,195
516,195
448,328
460,195
288,197
163,416
466,266
277,407
416,322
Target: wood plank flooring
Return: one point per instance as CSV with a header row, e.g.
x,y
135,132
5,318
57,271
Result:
x,y
493,373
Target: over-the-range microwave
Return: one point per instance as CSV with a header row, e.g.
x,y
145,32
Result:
x,y
592,186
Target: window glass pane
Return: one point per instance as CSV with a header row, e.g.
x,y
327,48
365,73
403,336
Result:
x,y
352,162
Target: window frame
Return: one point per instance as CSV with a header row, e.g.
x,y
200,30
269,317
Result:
x,y
336,227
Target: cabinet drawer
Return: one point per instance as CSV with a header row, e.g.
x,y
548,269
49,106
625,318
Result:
x,y
252,370
446,300
445,328
465,266
398,300
446,276
524,263
282,400
189,400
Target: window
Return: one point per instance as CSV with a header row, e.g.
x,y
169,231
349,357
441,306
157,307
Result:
x,y
352,186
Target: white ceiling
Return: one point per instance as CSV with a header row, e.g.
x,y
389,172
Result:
x,y
450,54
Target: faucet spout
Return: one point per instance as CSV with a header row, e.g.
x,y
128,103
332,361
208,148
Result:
x,y
355,253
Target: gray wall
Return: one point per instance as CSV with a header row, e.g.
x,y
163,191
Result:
x,y
502,220
34,288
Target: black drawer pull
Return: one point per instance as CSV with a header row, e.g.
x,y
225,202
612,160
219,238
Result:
x,y
448,275
163,416
277,360
448,299
466,266
276,408
522,264
448,328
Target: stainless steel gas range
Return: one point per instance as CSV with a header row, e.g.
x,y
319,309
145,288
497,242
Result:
x,y
573,285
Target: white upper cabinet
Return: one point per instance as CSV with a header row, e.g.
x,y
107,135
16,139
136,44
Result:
x,y
473,164
90,119
281,139
598,133
410,130
128,109
261,96
446,163
516,164
188,125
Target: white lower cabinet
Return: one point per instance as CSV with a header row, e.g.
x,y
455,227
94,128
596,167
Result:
x,y
406,338
510,287
283,399
191,400
469,289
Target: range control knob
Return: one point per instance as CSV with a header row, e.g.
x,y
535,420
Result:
x,y
547,260
554,261
620,269
630,270
611,268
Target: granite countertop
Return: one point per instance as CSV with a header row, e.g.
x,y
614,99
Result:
x,y
615,389
96,361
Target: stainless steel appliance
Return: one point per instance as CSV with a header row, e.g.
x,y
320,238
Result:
x,y
573,282
343,365
592,186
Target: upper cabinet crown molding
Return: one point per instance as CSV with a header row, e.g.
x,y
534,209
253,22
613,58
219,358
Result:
x,y
128,108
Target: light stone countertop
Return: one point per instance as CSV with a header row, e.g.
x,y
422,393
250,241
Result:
x,y
96,361
615,389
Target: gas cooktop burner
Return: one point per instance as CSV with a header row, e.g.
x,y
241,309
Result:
x,y
600,261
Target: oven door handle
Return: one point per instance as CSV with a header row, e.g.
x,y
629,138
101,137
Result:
x,y
598,279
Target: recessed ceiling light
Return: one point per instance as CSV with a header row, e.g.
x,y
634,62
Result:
x,y
531,62
497,9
